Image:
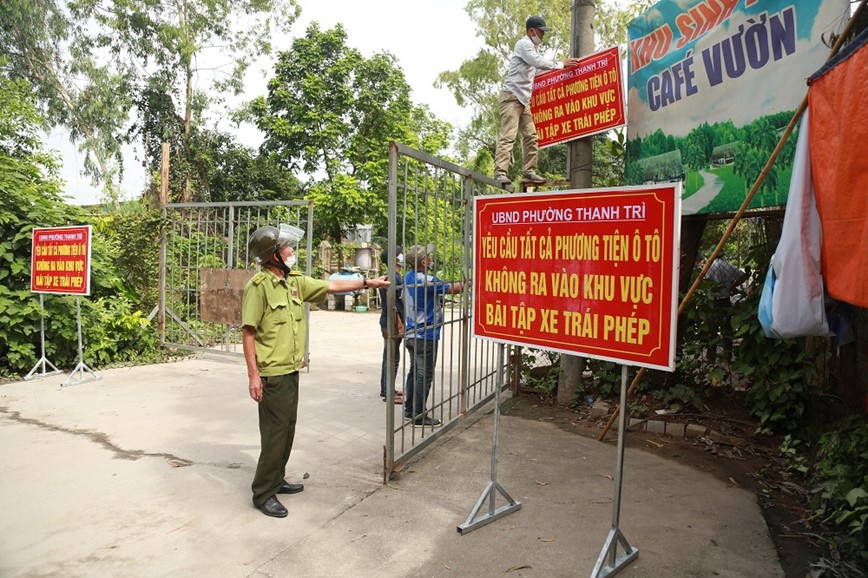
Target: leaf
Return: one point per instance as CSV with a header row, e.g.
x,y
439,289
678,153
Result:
x,y
854,495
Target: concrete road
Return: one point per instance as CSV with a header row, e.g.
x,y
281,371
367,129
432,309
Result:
x,y
147,472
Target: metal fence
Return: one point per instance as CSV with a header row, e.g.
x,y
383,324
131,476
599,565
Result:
x,y
205,265
430,202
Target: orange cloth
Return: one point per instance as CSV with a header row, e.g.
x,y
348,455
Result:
x,y
838,100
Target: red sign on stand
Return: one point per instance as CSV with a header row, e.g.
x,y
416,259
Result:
x,y
60,262
576,102
591,272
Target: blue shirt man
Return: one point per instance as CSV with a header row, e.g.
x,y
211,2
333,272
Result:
x,y
424,321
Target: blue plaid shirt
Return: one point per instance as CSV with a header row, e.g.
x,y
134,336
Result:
x,y
423,311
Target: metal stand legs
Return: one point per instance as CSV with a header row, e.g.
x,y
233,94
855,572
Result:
x,y
475,519
81,368
43,361
608,563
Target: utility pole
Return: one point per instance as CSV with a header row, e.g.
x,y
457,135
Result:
x,y
579,167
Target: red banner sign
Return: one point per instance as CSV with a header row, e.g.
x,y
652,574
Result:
x,y
592,272
60,262
576,102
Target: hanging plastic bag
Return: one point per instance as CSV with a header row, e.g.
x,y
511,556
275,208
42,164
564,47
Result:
x,y
765,305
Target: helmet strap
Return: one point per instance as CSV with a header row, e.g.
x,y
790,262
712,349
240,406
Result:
x,y
277,263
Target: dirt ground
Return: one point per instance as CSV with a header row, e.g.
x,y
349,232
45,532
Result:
x,y
742,459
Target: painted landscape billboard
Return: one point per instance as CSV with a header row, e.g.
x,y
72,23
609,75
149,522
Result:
x,y
712,85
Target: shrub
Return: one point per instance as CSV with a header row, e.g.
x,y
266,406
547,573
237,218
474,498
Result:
x,y
840,492
113,327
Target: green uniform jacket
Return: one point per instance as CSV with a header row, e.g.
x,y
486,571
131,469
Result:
x,y
274,308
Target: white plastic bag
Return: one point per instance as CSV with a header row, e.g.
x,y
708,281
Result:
x,y
798,298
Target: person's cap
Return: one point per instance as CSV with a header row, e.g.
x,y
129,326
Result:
x,y
418,253
536,22
399,259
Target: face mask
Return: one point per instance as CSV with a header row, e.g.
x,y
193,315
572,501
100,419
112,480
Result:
x,y
536,40
290,261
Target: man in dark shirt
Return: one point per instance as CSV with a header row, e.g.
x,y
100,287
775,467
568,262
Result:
x,y
394,337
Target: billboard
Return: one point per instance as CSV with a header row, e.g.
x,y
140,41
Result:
x,y
712,85
588,272
580,101
60,260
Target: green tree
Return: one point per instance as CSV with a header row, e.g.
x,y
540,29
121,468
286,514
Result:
x,y
93,62
30,197
232,172
174,46
760,139
692,154
330,113
608,160
75,87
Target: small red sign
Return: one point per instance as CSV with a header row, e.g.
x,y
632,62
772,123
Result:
x,y
60,262
576,102
591,272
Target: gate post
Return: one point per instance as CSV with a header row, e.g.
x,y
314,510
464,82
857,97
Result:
x,y
164,199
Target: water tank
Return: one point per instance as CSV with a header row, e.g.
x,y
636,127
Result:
x,y
363,259
346,276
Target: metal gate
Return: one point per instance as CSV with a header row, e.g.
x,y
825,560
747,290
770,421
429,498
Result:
x,y
431,202
205,264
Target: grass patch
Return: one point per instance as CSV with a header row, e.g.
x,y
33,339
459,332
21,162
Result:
x,y
693,182
732,193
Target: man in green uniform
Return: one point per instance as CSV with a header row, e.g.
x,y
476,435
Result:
x,y
273,337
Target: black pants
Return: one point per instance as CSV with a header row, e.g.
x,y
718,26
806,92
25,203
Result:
x,y
278,411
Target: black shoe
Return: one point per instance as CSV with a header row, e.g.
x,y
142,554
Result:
x,y
272,507
287,488
424,420
503,179
532,177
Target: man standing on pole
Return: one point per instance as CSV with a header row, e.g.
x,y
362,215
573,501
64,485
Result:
x,y
514,103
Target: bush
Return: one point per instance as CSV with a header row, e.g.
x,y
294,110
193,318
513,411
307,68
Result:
x,y
605,378
540,370
113,327
777,368
840,493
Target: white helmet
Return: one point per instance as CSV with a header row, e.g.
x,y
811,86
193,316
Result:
x,y
264,241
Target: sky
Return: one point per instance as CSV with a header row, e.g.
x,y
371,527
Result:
x,y
426,36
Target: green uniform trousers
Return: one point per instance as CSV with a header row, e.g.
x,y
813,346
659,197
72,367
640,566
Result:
x,y
277,416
